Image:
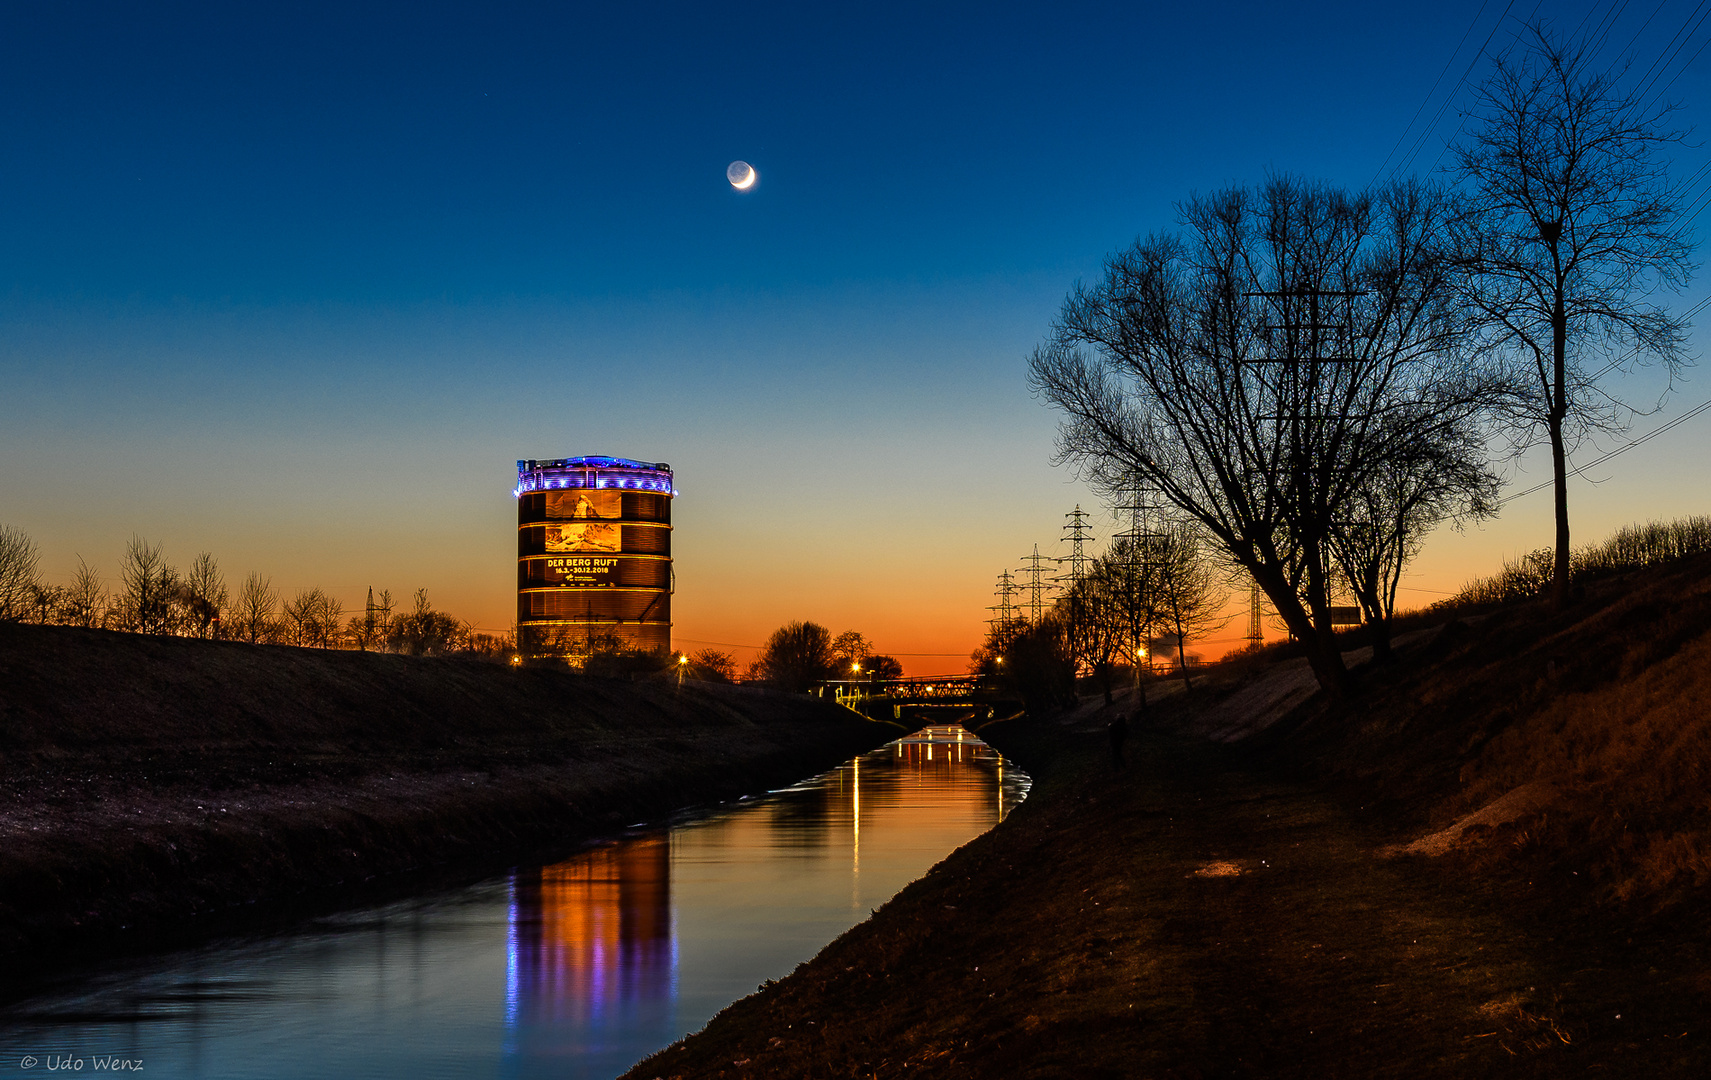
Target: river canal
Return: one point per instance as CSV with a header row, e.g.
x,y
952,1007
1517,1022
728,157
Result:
x,y
574,970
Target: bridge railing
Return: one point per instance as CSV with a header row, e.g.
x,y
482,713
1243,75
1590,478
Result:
x,y
917,687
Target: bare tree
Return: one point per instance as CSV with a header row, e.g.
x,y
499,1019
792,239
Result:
x,y
714,665
253,615
850,650
312,618
797,656
1442,475
1572,224
86,601
426,632
204,596
1190,587
1095,615
1258,371
149,602
329,619
20,563
1032,659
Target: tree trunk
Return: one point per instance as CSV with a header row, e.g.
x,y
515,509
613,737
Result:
x,y
1182,656
1323,655
1557,415
1559,468
1378,631
1326,660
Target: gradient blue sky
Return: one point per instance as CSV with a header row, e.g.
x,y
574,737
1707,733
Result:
x,y
298,284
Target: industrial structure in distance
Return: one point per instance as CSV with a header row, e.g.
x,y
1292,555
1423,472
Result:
x,y
593,555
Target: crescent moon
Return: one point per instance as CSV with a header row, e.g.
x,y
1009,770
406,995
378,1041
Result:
x,y
749,175
754,174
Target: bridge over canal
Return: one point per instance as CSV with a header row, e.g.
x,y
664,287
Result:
x,y
970,700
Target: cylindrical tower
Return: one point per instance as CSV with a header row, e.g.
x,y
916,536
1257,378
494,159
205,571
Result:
x,y
593,555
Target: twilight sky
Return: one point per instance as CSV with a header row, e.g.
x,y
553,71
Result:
x,y
297,284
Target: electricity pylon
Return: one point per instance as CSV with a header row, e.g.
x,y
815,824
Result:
x,y
1034,566
1004,617
1078,533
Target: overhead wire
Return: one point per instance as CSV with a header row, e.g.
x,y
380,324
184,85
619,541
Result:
x,y
1666,56
1428,98
1702,407
1626,49
1605,25
1414,150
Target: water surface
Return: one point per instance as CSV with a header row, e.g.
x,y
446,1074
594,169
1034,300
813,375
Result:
x,y
573,970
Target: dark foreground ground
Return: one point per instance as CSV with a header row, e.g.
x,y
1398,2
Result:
x,y
154,790
1196,915
1494,861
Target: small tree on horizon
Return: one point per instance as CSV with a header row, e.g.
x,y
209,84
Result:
x,y
849,649
204,591
85,602
253,617
797,656
149,601
1191,592
713,665
19,572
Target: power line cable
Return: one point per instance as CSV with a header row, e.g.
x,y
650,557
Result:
x,y
1428,98
1414,151
1626,49
1607,24
1680,72
1671,50
1702,407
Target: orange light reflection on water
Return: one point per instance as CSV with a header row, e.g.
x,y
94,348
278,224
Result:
x,y
642,941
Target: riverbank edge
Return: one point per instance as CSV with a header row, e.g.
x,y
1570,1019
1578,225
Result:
x,y
79,883
1216,909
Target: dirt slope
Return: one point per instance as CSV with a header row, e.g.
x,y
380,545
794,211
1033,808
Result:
x,y
1252,908
152,785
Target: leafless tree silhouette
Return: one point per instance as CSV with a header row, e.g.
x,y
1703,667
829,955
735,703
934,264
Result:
x,y
1262,370
204,596
1570,227
151,589
20,563
253,616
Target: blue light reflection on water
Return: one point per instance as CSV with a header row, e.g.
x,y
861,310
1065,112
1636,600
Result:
x,y
576,970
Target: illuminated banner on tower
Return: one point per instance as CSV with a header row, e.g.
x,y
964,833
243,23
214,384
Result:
x,y
591,570
579,520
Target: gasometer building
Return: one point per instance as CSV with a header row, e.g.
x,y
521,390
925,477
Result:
x,y
593,554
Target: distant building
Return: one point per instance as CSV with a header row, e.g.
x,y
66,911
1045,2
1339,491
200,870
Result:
x,y
593,555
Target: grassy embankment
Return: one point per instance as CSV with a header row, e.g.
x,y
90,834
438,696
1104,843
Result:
x,y
152,788
1493,862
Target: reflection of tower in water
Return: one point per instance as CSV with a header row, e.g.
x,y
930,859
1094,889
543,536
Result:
x,y
592,935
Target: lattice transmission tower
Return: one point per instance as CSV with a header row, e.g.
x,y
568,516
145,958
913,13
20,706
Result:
x,y
1141,559
1005,614
1077,533
1038,583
